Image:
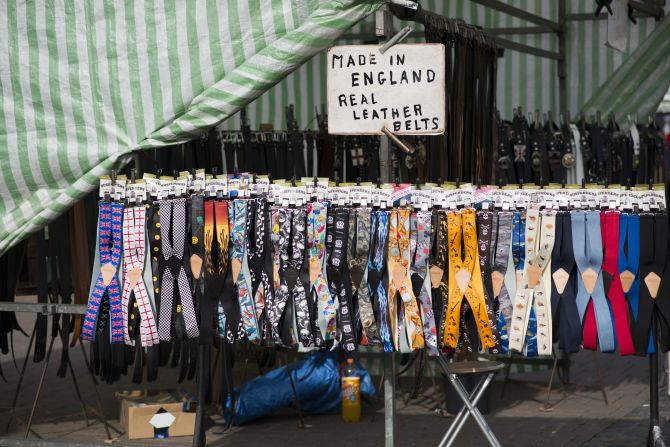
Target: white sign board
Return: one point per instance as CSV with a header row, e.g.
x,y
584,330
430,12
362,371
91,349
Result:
x,y
402,89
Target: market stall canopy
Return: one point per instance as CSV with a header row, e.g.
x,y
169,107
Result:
x,y
83,84
639,84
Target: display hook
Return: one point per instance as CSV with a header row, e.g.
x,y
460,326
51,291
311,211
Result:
x,y
400,35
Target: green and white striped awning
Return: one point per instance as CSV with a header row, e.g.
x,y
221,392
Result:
x,y
84,83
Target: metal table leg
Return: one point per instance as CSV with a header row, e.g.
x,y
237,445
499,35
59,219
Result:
x,y
465,397
462,416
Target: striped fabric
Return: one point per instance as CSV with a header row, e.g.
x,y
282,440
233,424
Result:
x,y
84,83
525,80
639,84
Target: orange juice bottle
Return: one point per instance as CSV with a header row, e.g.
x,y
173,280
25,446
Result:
x,y
351,393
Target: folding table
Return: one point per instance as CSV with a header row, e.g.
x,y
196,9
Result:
x,y
453,370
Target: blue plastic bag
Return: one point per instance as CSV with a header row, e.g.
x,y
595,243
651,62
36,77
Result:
x,y
317,381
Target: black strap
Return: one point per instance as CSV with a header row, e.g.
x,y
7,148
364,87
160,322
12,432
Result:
x,y
269,148
10,265
42,297
134,323
338,276
62,239
566,322
653,260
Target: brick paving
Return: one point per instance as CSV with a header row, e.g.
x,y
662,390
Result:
x,y
577,416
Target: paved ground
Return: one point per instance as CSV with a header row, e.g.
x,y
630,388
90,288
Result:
x,y
578,414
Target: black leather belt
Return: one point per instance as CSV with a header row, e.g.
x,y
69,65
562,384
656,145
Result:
x,y
42,297
64,258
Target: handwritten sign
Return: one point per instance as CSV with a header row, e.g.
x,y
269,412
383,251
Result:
x,y
402,89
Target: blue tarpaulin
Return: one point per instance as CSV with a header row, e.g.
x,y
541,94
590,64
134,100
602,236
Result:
x,y
317,381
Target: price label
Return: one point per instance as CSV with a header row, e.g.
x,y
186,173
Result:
x,y
106,188
136,192
199,181
561,198
463,195
438,196
119,188
402,194
381,197
422,199
609,198
274,192
321,189
453,198
483,195
360,195
503,198
217,186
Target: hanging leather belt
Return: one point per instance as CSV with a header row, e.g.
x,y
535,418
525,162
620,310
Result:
x,y
138,313
42,297
654,282
351,256
505,163
289,227
420,227
406,328
501,255
173,240
566,320
465,279
107,284
358,272
484,244
10,263
134,223
439,256
513,282
317,213
521,141
540,233
338,221
239,267
81,262
64,270
609,223
217,267
591,301
629,267
276,311
260,263
103,322
379,230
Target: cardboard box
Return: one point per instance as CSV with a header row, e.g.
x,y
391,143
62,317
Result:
x,y
156,414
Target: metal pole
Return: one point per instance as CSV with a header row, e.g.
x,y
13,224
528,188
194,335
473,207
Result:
x,y
562,64
39,387
21,377
383,30
655,436
389,399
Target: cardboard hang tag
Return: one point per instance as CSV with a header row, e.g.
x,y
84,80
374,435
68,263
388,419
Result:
x,y
463,279
134,276
653,282
314,270
108,271
533,274
196,265
497,279
589,277
627,279
436,275
561,278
